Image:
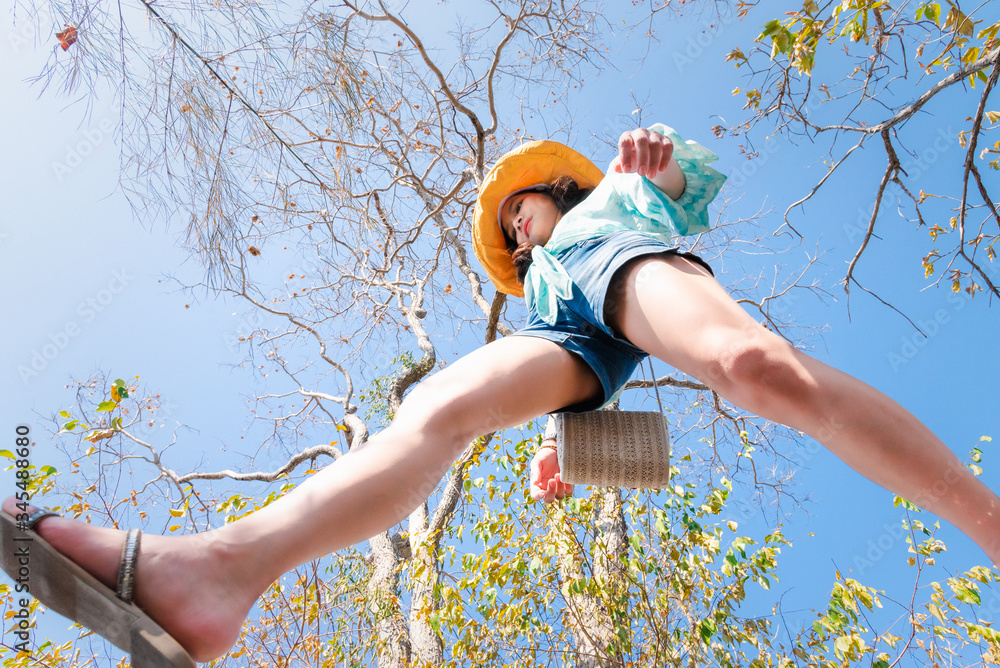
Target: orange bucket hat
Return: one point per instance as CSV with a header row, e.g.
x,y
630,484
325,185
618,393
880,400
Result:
x,y
531,164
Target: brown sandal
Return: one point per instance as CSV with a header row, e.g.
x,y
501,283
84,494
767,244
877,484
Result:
x,y
64,587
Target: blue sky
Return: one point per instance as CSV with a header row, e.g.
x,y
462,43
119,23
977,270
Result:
x,y
84,288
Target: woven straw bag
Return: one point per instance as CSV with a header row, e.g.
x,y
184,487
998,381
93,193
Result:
x,y
611,448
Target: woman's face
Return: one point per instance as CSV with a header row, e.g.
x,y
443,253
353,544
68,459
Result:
x,y
529,216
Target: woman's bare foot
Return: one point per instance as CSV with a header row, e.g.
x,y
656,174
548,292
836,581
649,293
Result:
x,y
188,585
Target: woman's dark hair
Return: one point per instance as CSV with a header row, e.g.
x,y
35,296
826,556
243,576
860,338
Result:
x,y
565,193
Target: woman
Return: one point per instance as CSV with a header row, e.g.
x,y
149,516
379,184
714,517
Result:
x,y
589,326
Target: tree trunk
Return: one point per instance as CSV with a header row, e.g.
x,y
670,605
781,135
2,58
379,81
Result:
x,y
610,553
383,601
586,614
425,573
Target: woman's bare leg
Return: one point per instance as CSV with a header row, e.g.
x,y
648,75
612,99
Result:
x,y
500,385
201,587
676,311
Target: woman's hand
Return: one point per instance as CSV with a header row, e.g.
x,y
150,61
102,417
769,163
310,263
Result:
x,y
650,154
643,152
546,484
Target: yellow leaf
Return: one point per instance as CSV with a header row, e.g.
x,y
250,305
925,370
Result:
x,y
957,19
176,512
174,527
735,54
994,116
100,435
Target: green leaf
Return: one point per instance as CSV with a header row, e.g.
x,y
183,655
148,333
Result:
x,y
48,470
968,595
536,565
900,501
119,383
770,28
781,39
65,414
106,406
707,629
932,12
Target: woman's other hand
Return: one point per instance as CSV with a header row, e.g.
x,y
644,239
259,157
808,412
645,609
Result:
x,y
546,484
650,154
643,152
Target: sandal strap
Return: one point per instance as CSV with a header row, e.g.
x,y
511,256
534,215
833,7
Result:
x,y
126,571
37,516
130,554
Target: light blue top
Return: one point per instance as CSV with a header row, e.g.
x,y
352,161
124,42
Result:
x,y
622,202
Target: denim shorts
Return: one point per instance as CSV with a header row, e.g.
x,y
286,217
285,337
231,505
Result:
x,y
580,327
